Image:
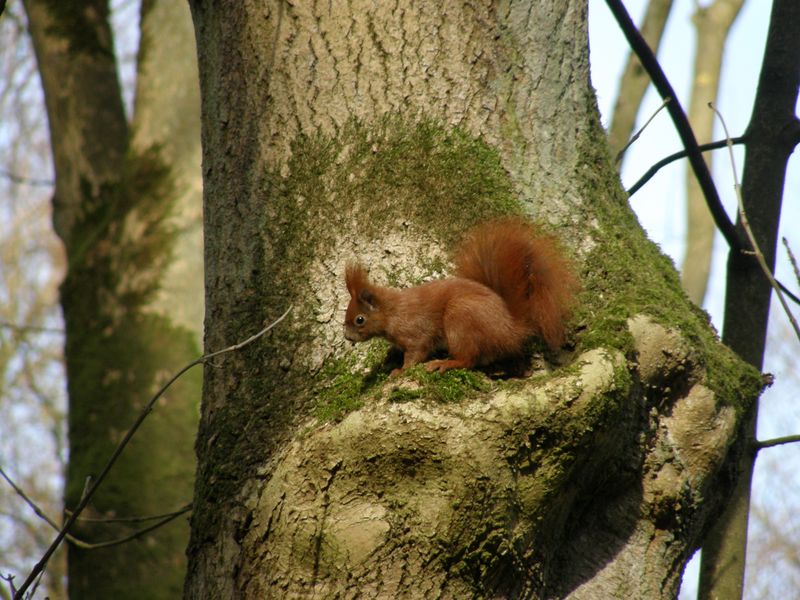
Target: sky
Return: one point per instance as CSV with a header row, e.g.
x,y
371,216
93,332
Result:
x,y
660,204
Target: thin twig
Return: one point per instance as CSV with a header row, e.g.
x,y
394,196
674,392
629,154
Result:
x,y
792,259
32,181
746,225
162,520
39,512
140,532
180,511
29,328
39,567
787,439
681,122
636,135
676,156
682,154
10,580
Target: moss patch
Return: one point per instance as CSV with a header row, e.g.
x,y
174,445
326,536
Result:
x,y
371,178
451,386
343,385
626,274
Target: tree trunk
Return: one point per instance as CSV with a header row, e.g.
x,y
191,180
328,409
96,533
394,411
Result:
x,y
712,25
634,80
333,131
117,209
772,135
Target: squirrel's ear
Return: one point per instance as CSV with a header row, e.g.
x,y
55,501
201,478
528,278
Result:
x,y
367,298
356,278
358,285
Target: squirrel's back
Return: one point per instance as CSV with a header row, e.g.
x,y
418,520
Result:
x,y
524,267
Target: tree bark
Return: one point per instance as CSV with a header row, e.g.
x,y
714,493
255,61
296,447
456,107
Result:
x,y
115,210
712,25
333,131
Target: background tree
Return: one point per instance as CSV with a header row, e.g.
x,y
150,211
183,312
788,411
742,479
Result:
x,y
635,81
126,207
335,130
772,135
773,561
778,77
712,25
33,448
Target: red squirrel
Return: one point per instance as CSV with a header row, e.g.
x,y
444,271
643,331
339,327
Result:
x,y
510,283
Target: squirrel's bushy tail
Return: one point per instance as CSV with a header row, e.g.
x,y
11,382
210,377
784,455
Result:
x,y
525,268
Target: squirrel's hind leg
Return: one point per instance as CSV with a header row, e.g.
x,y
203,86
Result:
x,y
448,364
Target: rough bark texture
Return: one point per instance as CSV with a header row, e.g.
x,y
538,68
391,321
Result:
x,y
712,25
113,209
341,130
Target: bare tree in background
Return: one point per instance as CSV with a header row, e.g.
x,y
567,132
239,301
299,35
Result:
x,y
32,403
774,123
635,80
712,26
773,548
127,209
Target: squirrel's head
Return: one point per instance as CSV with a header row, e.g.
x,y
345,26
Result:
x,y
363,318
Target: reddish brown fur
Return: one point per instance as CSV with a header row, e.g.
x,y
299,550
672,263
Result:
x,y
511,283
527,269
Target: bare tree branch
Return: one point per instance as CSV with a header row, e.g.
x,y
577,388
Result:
x,y
161,520
746,225
636,135
684,130
792,259
650,63
137,519
29,328
676,156
20,180
787,439
40,566
634,82
138,533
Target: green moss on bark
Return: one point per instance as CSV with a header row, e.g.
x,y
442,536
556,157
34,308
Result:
x,y
626,274
373,177
370,182
117,356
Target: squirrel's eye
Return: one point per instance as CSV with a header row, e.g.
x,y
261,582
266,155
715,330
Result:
x,y
359,320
